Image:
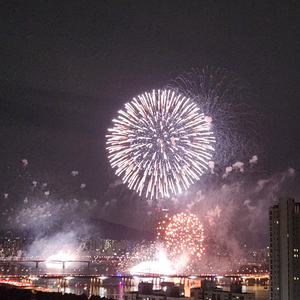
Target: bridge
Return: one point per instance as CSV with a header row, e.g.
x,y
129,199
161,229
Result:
x,y
97,281
37,261
241,277
261,278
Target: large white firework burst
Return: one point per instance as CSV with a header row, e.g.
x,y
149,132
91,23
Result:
x,y
160,143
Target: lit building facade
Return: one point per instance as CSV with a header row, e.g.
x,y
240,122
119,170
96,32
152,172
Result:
x,y
169,291
162,222
284,221
208,291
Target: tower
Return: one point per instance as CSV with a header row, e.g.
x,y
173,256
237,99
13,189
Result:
x,y
284,221
162,221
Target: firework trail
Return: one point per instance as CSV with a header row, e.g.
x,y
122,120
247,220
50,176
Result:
x,y
226,100
160,143
184,237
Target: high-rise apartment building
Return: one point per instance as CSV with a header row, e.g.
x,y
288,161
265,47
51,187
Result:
x,y
284,221
162,222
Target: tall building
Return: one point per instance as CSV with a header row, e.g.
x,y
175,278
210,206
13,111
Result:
x,y
162,222
284,221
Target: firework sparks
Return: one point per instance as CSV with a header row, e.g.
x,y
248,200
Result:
x,y
56,261
152,262
227,102
160,143
153,267
184,237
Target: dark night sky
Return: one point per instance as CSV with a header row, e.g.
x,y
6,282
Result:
x,y
67,67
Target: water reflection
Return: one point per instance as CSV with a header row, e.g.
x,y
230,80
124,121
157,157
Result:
x,y
112,287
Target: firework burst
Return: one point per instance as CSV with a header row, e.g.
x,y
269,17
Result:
x,y
160,144
227,100
184,237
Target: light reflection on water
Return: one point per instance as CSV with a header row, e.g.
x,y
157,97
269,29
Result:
x,y
111,287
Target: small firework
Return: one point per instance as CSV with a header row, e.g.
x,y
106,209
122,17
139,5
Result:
x,y
184,237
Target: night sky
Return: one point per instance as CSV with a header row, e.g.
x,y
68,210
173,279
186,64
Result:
x,y
67,67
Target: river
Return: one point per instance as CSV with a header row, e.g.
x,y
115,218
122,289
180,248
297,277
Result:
x,y
81,280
